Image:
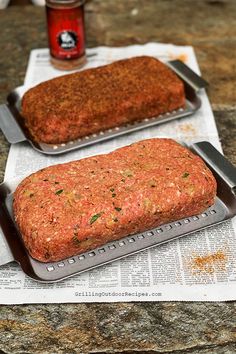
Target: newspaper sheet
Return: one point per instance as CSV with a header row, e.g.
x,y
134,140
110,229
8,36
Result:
x,y
170,272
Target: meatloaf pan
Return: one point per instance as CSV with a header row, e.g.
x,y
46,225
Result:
x,y
79,104
67,209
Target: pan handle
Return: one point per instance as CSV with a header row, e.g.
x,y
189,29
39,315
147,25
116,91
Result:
x,y
5,253
187,75
218,163
9,125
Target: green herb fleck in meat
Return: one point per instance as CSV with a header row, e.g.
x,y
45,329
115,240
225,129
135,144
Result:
x,y
56,182
116,220
94,218
127,173
76,241
113,194
185,175
28,193
152,183
118,209
59,191
191,189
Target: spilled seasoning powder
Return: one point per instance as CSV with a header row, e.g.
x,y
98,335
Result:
x,y
210,263
182,57
188,128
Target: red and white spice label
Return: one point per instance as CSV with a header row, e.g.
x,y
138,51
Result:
x,y
66,32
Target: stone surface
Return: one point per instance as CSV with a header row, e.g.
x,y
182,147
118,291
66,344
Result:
x,y
226,125
117,328
4,147
157,327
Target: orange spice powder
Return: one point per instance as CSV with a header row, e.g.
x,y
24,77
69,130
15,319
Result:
x,y
188,128
210,262
182,57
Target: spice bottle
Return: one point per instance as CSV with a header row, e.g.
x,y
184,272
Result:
x,y
66,34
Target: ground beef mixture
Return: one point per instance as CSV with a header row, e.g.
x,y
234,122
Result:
x,y
93,100
70,208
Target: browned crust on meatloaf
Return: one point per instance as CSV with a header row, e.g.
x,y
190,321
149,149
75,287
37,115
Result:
x,y
67,209
83,103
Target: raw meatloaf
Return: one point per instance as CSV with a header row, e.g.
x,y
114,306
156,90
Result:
x,y
67,209
93,100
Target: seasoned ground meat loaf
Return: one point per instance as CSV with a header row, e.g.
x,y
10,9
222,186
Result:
x,y
83,103
67,209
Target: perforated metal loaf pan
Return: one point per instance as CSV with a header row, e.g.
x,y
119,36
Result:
x,y
12,248
11,122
